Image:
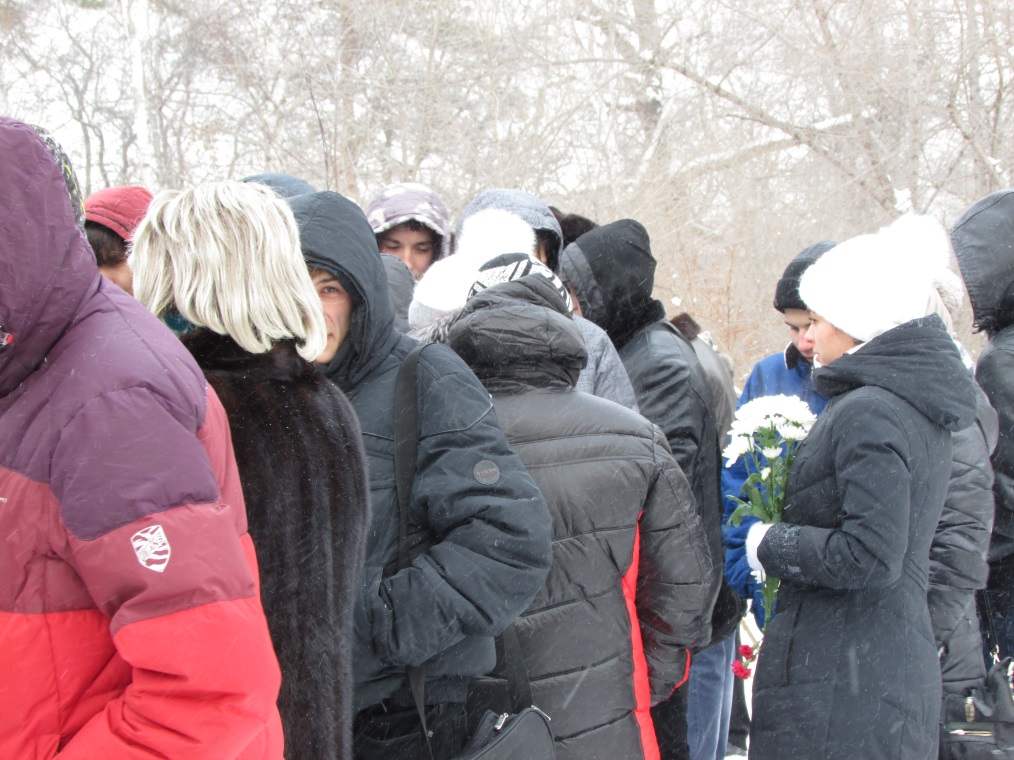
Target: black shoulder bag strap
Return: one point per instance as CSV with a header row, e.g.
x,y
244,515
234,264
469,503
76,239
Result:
x,y
508,651
406,435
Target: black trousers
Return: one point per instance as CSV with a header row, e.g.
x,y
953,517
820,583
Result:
x,y
670,719
388,732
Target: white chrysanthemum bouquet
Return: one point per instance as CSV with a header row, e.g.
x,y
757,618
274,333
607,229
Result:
x,y
766,433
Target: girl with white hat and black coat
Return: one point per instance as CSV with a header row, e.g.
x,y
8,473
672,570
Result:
x,y
848,667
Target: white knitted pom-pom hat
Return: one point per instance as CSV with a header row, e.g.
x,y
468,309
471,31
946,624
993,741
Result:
x,y
872,283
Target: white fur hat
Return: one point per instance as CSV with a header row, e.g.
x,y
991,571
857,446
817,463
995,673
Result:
x,y
489,233
443,290
871,283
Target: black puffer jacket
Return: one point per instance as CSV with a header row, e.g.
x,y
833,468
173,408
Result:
x,y
480,522
303,471
958,555
612,271
848,668
984,244
632,577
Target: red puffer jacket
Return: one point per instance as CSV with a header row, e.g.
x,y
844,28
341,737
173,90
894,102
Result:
x,y
130,619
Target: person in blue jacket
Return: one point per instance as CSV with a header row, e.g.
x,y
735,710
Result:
x,y
786,373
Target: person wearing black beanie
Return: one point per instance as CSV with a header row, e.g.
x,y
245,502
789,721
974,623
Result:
x,y
787,290
790,304
787,372
612,271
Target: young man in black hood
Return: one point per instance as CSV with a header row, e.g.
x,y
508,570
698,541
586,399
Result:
x,y
612,271
479,527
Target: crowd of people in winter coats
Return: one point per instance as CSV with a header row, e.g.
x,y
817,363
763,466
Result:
x,y
219,540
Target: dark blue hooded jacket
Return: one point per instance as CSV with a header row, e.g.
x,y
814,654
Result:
x,y
481,542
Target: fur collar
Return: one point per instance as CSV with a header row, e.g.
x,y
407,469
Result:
x,y
221,353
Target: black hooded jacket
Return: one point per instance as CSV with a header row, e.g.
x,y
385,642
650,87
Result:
x,y
629,550
984,244
612,272
848,667
481,543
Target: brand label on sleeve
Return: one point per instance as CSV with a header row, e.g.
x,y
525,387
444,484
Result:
x,y
152,548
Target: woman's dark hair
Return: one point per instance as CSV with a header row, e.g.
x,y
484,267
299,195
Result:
x,y
110,249
549,241
572,225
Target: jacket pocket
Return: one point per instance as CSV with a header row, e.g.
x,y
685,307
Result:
x,y
773,667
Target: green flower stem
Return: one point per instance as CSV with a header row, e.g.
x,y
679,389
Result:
x,y
766,507
770,591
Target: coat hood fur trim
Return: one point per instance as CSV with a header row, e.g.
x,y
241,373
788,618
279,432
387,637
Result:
x,y
491,232
444,288
520,203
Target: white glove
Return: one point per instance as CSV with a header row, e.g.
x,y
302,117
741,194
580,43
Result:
x,y
753,538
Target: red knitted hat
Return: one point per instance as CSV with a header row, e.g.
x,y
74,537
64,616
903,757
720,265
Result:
x,y
120,209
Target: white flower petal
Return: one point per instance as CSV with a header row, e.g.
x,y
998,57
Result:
x,y
788,415
739,446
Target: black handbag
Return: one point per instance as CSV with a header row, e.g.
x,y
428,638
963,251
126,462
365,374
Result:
x,y
980,725
523,733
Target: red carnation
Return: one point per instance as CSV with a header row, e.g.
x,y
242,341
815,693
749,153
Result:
x,y
740,670
747,652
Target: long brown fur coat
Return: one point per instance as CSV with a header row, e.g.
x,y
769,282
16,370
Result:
x,y
303,472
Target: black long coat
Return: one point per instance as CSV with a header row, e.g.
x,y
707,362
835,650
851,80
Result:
x,y
303,472
848,668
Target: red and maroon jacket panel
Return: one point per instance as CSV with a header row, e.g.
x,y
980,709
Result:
x,y
130,620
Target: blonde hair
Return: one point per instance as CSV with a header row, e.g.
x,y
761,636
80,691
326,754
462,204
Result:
x,y
227,256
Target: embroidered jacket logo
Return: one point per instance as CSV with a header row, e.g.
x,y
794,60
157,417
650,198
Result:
x,y
152,548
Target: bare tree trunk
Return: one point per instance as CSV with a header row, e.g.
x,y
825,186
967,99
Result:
x,y
137,20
